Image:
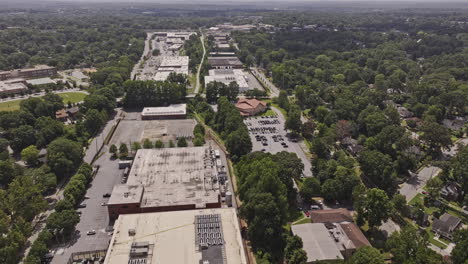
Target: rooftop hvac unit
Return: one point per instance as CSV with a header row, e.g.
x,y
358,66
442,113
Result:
x,y
144,244
138,252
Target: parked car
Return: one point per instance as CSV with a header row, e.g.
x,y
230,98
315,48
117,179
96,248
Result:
x,y
106,195
314,207
82,205
91,232
307,213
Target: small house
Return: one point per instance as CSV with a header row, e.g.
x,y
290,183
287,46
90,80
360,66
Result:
x,y
451,191
446,225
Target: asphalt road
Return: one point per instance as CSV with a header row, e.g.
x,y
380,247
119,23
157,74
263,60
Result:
x,y
274,91
197,87
94,216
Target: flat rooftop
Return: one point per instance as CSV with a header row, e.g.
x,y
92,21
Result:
x,y
174,61
40,81
175,176
317,242
126,194
214,61
172,237
174,109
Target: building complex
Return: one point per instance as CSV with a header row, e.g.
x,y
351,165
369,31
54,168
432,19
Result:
x,y
170,179
29,73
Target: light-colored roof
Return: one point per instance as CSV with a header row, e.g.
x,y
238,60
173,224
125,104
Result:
x,y
40,81
171,237
175,176
174,61
174,109
227,76
126,194
161,76
11,87
317,242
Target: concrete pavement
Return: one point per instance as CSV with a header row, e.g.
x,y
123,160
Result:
x,y
416,183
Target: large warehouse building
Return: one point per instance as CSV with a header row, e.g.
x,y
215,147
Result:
x,y
168,179
225,63
193,236
227,76
175,111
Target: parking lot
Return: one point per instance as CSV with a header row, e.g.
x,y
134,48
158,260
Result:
x,y
132,128
268,135
94,216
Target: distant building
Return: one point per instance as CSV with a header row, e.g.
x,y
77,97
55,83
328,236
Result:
x,y
168,179
29,73
404,112
222,54
61,115
227,76
446,225
13,86
455,124
4,75
225,63
193,236
250,107
175,111
169,64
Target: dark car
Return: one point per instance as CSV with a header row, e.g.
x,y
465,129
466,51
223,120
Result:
x,y
106,195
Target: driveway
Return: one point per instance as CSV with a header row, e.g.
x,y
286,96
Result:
x,y
415,184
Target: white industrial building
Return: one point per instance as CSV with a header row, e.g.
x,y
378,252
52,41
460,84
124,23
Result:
x,y
169,64
227,76
174,111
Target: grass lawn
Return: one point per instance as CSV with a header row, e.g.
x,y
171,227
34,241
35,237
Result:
x,y
71,96
418,198
434,241
269,112
304,220
10,106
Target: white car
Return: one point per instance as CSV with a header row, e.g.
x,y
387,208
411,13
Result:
x,y
91,232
